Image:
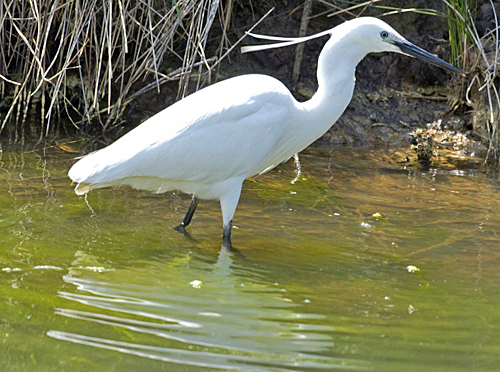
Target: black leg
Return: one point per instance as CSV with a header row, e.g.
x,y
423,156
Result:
x,y
226,235
190,211
226,240
189,215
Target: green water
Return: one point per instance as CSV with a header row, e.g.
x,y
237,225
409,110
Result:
x,y
363,264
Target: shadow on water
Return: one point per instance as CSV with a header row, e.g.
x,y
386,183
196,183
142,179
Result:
x,y
363,263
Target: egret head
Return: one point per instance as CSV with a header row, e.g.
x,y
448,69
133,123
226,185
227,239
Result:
x,y
377,36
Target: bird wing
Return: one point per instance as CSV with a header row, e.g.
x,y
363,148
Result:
x,y
225,130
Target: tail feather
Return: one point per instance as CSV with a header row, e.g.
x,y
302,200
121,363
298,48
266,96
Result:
x,y
85,168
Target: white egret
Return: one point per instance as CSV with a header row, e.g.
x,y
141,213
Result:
x,y
208,143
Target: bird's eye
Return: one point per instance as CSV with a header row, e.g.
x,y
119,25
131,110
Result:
x,y
384,34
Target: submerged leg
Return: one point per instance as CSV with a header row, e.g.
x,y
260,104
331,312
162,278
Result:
x,y
189,215
226,235
228,204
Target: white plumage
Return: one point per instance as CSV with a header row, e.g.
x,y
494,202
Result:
x,y
208,143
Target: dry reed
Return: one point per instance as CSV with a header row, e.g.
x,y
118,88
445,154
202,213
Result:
x,y
84,60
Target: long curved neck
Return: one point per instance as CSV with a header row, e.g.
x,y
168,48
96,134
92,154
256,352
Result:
x,y
336,76
336,67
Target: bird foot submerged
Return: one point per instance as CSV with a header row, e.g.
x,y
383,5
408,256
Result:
x,y
182,229
226,232
226,241
226,236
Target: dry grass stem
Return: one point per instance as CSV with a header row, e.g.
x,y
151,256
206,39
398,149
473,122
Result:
x,y
86,59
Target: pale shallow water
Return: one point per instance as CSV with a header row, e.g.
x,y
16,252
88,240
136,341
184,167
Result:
x,y
363,264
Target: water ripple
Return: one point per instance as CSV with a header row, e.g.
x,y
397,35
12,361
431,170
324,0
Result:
x,y
221,324
208,359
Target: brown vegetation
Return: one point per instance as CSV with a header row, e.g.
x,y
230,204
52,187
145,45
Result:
x,y
84,60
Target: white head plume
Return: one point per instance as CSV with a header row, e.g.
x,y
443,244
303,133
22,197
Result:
x,y
285,41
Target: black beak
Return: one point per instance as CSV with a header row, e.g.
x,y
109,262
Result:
x,y
414,51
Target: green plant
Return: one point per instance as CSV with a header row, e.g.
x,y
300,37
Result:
x,y
460,14
479,56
